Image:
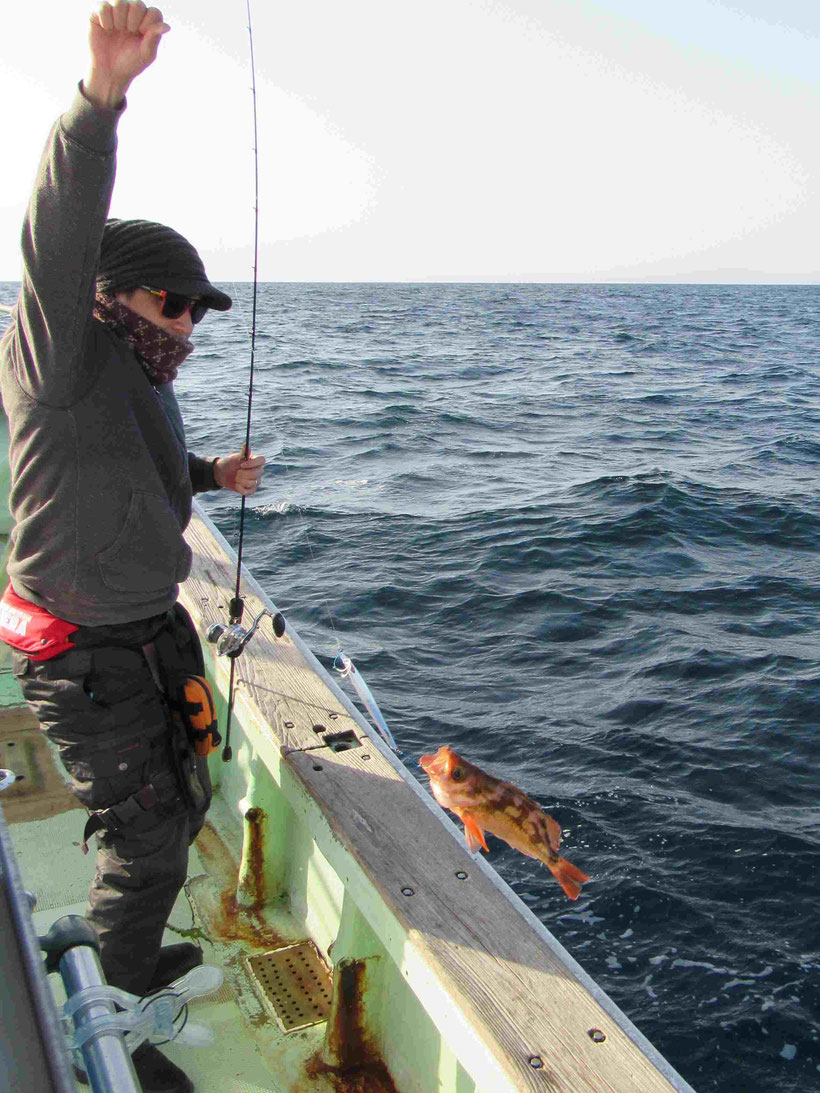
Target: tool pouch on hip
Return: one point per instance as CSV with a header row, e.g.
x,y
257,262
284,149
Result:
x,y
191,783
181,667
199,714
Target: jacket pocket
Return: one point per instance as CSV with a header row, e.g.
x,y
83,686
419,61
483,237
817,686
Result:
x,y
149,554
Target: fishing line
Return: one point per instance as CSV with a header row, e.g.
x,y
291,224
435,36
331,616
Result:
x,y
342,663
237,605
246,449
236,608
232,639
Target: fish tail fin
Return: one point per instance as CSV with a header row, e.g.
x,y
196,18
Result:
x,y
568,876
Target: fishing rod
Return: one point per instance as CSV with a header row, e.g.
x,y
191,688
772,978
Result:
x,y
231,640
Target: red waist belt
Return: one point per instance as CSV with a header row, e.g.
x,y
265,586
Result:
x,y
31,629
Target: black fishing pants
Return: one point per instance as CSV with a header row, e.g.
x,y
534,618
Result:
x,y
131,765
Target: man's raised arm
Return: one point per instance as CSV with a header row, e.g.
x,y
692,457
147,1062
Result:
x,y
64,223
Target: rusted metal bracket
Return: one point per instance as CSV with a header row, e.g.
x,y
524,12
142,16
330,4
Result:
x,y
344,740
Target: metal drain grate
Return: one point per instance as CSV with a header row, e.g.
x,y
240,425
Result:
x,y
294,984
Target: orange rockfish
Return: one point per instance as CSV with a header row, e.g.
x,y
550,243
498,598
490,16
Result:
x,y
484,803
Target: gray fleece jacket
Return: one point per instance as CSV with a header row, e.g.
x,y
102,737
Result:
x,y
101,478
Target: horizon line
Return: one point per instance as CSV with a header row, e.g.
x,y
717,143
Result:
x,y
654,282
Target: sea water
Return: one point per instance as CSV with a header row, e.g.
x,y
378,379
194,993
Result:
x,y
572,531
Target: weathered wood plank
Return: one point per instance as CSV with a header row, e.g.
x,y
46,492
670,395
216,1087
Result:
x,y
272,673
505,993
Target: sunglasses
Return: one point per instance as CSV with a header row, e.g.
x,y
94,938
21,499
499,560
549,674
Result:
x,y
175,304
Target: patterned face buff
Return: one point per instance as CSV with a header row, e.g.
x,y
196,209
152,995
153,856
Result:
x,y
159,353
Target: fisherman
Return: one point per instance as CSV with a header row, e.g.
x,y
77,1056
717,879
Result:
x,y
101,494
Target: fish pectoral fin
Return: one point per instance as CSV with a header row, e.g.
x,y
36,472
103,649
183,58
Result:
x,y
474,834
553,833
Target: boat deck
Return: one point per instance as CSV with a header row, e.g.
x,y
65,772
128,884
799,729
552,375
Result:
x,y
250,1054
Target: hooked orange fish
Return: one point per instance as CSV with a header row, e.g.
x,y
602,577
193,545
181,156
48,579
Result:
x,y
484,803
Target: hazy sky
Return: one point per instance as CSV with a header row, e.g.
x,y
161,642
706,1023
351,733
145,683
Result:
x,y
532,140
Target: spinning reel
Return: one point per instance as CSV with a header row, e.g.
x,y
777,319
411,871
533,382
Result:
x,y
230,640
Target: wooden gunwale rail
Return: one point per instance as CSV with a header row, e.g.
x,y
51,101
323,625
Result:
x,y
516,1009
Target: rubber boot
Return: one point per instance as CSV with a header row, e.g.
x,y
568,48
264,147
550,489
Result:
x,y
174,961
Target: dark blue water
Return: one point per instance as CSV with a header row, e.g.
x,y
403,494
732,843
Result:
x,y
572,531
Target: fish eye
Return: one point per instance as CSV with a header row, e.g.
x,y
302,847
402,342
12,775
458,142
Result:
x,y
457,774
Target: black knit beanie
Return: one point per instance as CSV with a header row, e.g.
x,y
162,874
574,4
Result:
x,y
139,253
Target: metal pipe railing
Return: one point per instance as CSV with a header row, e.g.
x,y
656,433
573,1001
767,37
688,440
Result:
x,y
73,948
